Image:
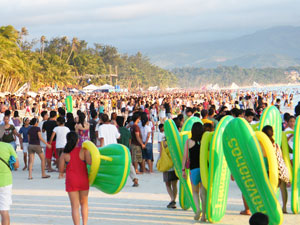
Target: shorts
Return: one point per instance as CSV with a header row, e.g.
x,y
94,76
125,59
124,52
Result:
x,y
28,109
169,176
59,151
136,152
123,110
35,149
5,197
195,176
13,143
50,151
147,152
25,147
169,116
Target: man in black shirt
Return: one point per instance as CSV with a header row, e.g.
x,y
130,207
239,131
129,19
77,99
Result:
x,y
168,109
93,124
48,126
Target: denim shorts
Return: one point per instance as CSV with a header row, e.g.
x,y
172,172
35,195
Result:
x,y
195,176
148,152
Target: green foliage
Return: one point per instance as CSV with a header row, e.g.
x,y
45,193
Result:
x,y
225,75
66,63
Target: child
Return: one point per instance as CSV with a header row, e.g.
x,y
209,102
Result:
x,y
77,182
161,135
24,130
60,132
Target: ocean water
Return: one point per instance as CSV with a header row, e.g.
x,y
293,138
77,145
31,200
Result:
x,y
279,90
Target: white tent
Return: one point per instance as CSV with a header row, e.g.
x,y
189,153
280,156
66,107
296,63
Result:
x,y
155,88
90,88
106,87
74,90
216,87
32,94
234,86
255,84
209,86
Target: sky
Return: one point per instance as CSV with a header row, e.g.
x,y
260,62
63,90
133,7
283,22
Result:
x,y
132,25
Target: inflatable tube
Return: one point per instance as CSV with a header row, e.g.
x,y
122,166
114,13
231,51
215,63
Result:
x,y
271,157
69,104
271,116
295,204
245,160
204,155
285,152
176,150
218,176
95,155
113,167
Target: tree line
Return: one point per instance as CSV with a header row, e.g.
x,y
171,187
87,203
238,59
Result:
x,y
224,76
65,62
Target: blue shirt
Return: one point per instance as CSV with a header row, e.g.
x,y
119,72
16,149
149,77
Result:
x,y
24,131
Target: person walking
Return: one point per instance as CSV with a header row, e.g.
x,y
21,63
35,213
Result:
x,y
77,182
7,152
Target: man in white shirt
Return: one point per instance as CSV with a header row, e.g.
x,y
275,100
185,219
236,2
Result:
x,y
44,115
290,137
107,132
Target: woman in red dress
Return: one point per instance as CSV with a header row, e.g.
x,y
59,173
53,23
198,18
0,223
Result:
x,y
77,182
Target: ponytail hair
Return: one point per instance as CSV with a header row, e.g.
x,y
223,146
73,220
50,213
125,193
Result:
x,y
72,138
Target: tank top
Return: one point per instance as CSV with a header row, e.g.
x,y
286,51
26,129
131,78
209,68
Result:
x,y
194,155
16,122
83,136
76,173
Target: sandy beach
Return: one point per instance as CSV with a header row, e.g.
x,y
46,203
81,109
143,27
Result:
x,y
44,201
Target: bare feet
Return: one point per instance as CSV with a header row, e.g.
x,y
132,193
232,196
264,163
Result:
x,y
284,210
197,215
25,167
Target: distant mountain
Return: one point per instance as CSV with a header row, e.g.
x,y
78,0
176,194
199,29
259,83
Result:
x,y
274,47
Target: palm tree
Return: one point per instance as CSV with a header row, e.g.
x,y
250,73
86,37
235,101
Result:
x,y
64,42
24,32
73,47
42,40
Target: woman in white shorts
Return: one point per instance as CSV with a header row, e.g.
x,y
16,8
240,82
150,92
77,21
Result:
x,y
162,114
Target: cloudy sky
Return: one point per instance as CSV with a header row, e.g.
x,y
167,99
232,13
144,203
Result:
x,y
131,25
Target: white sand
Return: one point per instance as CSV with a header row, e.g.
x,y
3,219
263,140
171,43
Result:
x,y
44,201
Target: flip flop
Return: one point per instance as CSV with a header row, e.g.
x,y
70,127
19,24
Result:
x,y
244,212
45,177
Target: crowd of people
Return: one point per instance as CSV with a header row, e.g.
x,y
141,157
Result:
x,y
130,119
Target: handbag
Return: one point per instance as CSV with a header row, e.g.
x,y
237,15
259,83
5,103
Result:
x,y
165,162
282,168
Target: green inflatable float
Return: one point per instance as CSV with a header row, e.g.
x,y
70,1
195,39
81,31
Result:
x,y
296,170
218,175
110,167
69,104
245,160
271,116
185,134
